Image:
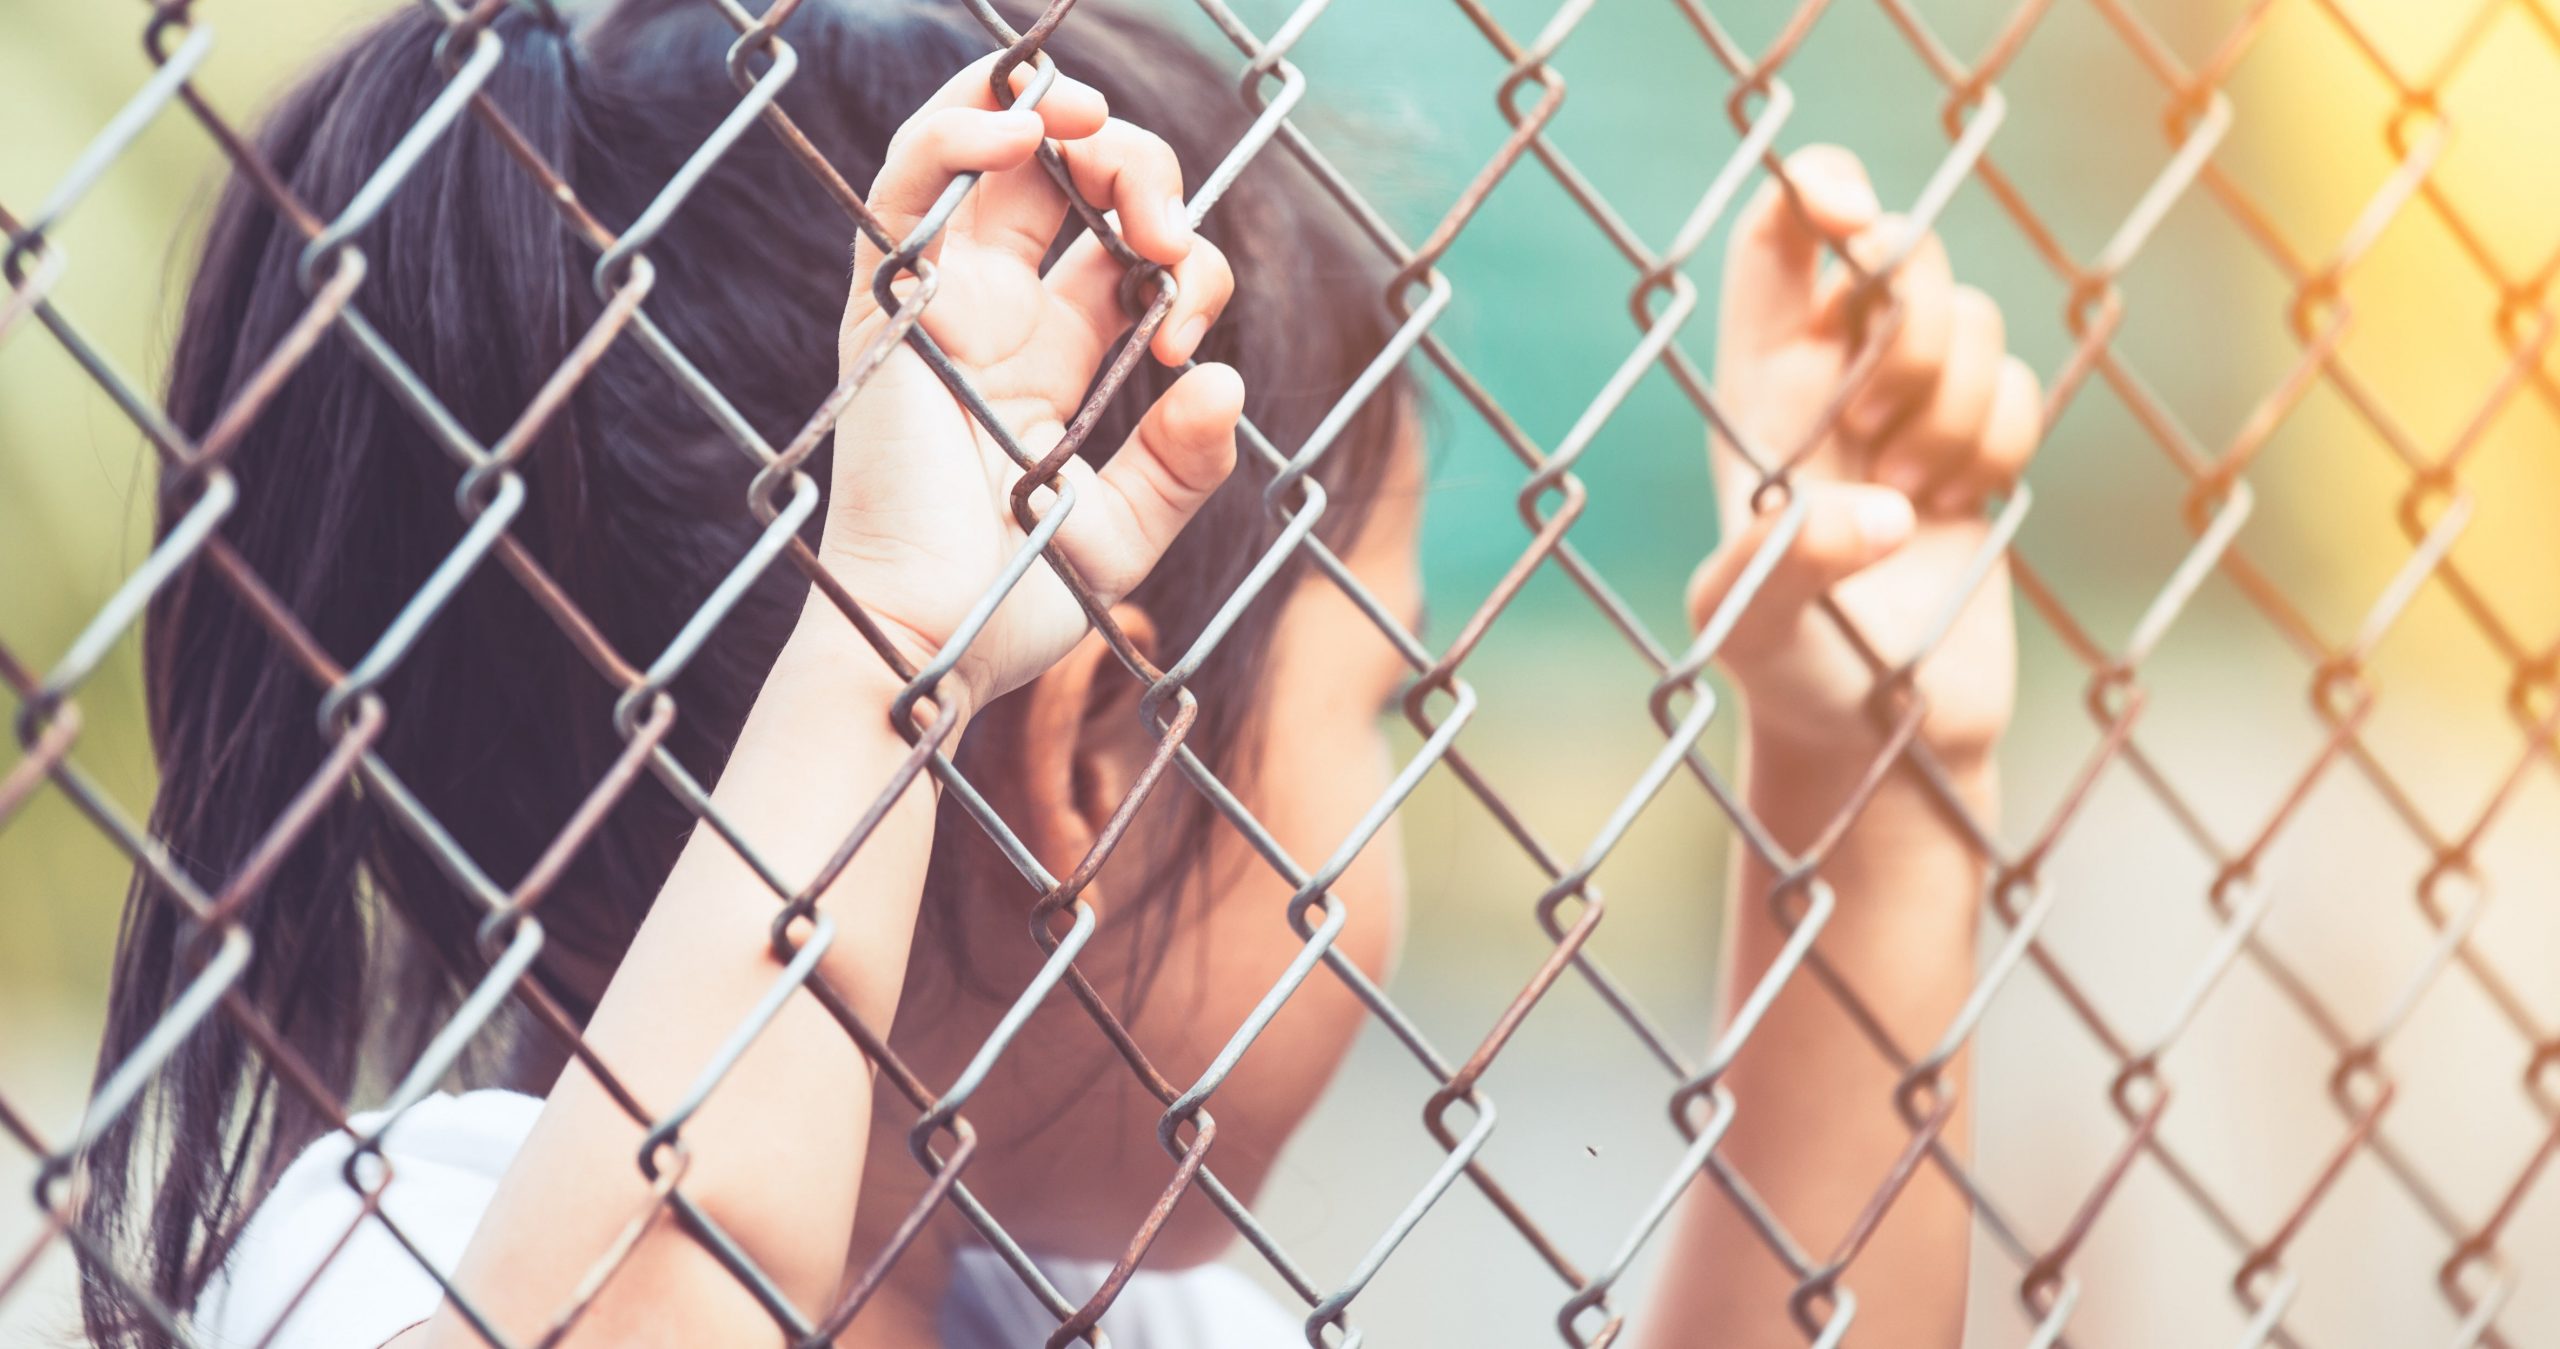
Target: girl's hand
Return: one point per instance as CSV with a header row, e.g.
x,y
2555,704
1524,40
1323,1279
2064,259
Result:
x,y
1894,493
920,521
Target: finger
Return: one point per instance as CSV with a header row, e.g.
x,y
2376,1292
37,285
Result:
x,y
1847,527
1182,450
1938,443
1134,174
927,153
1923,288
1018,212
1204,283
962,129
2012,429
1069,109
1089,279
1775,258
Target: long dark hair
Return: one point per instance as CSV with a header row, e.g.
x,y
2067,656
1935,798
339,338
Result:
x,y
636,504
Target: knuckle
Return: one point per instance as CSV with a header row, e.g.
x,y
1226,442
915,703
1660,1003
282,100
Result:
x,y
1095,160
936,134
1120,140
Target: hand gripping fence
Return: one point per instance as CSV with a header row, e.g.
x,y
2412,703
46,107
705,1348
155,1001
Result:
x,y
2043,1265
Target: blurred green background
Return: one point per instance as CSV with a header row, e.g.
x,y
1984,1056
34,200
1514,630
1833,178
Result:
x,y
1402,98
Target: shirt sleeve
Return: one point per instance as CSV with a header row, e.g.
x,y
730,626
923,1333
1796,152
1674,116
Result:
x,y
365,1286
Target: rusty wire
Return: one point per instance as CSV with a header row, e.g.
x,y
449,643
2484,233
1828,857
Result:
x,y
2475,1277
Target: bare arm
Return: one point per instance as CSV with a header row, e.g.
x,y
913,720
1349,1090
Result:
x,y
775,1154
1892,518
1815,1132
917,528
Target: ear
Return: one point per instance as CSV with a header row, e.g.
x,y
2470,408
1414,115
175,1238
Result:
x,y
1083,746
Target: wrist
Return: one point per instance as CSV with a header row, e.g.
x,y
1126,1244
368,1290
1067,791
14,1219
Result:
x,y
1800,788
1842,743
826,646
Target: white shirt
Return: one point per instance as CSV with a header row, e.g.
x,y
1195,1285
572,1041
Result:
x,y
447,1155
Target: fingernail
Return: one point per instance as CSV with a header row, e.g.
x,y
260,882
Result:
x,y
1177,219
1884,518
1186,339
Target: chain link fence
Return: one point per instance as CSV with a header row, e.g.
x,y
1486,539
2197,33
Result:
x,y
2034,1246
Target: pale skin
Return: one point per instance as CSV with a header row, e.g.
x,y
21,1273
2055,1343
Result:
x,y
796,1157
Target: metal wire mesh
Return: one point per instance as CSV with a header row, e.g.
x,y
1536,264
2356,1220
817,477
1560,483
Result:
x,y
2476,1276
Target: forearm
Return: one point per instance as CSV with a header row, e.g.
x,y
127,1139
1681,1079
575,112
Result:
x,y
774,1155
1815,1132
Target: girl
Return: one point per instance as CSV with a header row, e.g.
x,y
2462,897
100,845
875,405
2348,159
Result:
x,y
226,1191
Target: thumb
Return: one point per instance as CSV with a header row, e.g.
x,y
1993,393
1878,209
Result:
x,y
1182,451
1760,579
